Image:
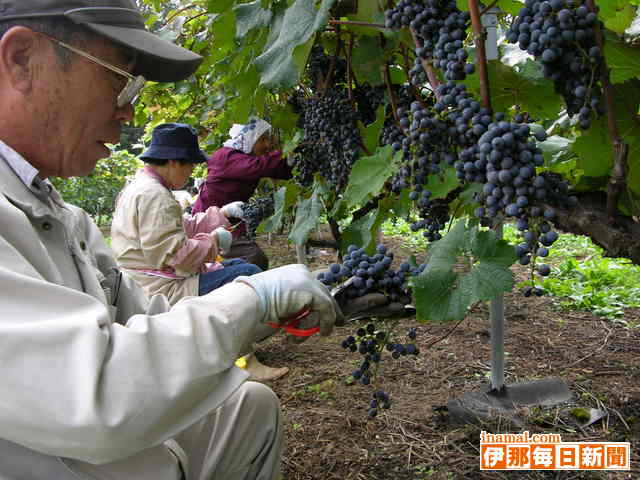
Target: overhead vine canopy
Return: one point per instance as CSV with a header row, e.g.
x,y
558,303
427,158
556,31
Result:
x,y
347,84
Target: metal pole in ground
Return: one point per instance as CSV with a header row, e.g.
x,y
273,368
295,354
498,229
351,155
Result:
x,y
496,315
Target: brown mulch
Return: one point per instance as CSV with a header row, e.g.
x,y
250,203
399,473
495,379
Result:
x,y
328,435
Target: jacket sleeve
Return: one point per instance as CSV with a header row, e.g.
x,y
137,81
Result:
x,y
240,166
163,239
76,385
204,222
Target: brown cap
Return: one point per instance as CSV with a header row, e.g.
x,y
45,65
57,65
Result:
x,y
120,21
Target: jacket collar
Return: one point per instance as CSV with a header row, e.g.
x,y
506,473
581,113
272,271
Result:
x,y
13,187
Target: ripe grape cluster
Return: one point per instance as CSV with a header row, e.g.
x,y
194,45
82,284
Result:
x,y
368,99
504,161
440,28
371,343
561,35
331,142
255,211
319,64
371,274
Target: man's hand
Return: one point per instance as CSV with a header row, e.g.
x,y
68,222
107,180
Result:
x,y
286,291
233,210
224,239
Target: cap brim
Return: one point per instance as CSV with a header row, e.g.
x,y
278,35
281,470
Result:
x,y
160,60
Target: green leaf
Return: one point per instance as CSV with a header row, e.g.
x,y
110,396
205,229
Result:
x,y
300,22
593,149
366,60
249,16
510,6
362,232
307,215
623,60
508,87
274,222
219,6
367,177
290,145
440,185
554,147
487,280
487,247
371,133
443,292
452,303
616,14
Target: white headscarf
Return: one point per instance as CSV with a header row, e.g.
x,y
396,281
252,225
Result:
x,y
244,137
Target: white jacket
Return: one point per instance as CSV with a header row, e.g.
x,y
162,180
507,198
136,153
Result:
x,y
81,378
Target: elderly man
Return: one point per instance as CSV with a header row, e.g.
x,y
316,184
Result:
x,y
97,381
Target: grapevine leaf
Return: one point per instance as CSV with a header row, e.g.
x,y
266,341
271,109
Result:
x,y
366,60
617,15
451,304
397,74
487,248
371,133
274,222
593,149
292,143
307,215
367,177
363,231
218,6
555,147
368,11
508,88
249,16
300,22
444,292
487,280
509,6
622,59
441,185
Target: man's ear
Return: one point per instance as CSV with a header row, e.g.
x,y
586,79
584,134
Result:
x,y
18,48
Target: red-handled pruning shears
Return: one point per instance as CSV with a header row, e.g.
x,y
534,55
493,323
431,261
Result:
x,y
291,324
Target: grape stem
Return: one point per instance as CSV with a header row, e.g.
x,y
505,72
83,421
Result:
x,y
434,81
332,64
481,55
617,181
392,95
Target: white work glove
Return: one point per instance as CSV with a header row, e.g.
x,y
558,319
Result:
x,y
224,239
288,290
233,210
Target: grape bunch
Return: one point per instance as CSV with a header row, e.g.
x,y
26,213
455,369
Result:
x,y
440,28
371,343
504,161
255,211
371,274
331,142
368,99
561,35
437,133
319,63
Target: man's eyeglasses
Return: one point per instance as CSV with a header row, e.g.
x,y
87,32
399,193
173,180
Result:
x,y
134,85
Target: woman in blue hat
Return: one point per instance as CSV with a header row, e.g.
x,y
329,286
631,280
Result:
x,y
164,251
173,254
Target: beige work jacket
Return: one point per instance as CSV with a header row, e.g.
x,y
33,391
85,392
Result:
x,y
90,370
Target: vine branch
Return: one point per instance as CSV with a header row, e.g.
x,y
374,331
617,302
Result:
x,y
427,66
481,54
617,181
358,24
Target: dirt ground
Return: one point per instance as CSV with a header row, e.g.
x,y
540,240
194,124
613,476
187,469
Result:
x,y
328,435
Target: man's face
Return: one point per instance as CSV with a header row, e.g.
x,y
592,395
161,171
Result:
x,y
77,110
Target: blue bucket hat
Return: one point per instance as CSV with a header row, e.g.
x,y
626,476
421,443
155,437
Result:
x,y
174,141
